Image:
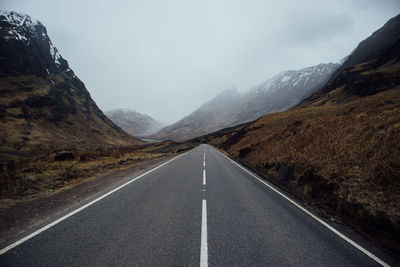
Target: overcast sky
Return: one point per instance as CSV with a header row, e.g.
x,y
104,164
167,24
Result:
x,y
166,58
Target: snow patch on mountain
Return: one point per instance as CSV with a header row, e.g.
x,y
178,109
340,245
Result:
x,y
17,18
292,79
54,53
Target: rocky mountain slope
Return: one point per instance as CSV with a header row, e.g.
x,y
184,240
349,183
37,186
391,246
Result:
x,y
43,104
133,122
231,107
339,149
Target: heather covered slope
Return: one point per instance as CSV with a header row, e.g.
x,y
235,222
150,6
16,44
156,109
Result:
x,y
43,104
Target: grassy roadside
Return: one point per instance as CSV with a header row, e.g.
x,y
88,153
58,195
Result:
x,y
26,179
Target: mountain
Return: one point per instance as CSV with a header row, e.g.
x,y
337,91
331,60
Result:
x,y
43,104
231,107
371,68
285,90
339,149
133,122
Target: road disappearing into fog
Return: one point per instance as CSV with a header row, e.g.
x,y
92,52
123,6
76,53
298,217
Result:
x,y
198,209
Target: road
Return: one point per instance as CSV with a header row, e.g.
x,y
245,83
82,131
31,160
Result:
x,y
198,209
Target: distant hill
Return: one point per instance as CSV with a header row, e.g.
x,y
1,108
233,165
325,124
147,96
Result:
x,y
215,114
231,107
133,122
43,104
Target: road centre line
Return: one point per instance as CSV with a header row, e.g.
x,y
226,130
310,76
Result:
x,y
204,243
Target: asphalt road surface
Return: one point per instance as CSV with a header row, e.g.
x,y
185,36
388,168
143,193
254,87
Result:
x,y
198,209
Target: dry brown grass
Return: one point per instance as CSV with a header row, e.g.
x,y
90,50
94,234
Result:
x,y
343,157
24,179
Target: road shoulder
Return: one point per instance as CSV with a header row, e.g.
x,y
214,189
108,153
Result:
x,y
24,217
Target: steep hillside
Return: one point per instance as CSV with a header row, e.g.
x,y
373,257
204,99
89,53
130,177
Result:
x,y
231,107
371,68
43,105
133,122
339,149
384,39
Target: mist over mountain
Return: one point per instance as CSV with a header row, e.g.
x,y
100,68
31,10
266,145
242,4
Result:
x,y
43,104
134,123
231,107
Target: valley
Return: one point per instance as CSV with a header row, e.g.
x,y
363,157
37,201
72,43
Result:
x,y
311,153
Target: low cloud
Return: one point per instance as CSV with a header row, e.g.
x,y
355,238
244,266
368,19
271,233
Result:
x,y
166,58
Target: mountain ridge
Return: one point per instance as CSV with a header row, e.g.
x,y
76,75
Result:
x,y
231,107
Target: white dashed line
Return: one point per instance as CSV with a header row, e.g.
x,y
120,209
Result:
x,y
204,243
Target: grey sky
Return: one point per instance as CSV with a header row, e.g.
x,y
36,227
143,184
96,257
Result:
x,y
166,58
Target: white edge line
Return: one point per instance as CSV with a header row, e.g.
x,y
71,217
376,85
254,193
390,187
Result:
x,y
44,228
204,243
365,251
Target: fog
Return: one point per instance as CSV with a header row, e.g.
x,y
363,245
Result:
x,y
166,58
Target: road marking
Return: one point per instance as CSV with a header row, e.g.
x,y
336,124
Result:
x,y
204,244
204,163
44,228
204,177
365,251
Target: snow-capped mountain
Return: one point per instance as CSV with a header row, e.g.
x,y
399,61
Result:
x,y
294,79
133,122
284,90
42,103
26,40
230,108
